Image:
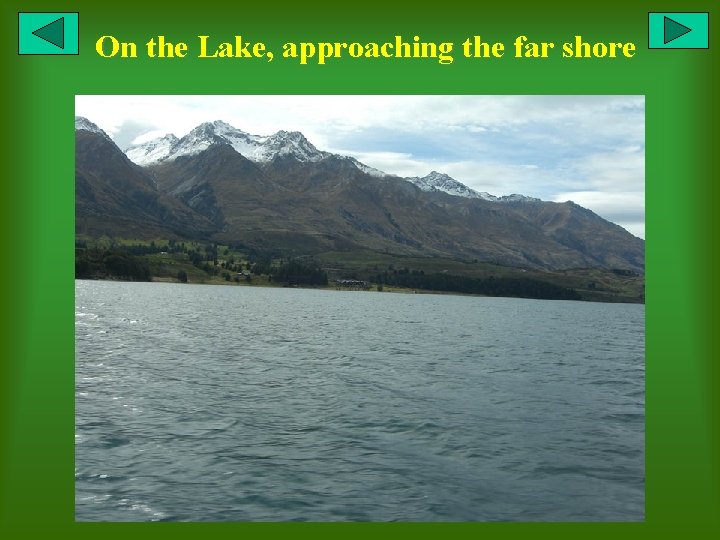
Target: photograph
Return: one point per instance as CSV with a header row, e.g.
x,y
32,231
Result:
x,y
359,308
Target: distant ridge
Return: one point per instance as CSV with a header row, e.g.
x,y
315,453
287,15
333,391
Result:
x,y
280,194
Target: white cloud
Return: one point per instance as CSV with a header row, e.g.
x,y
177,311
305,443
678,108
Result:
x,y
265,114
627,209
149,136
397,163
611,171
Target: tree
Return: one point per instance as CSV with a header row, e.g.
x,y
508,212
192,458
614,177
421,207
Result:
x,y
182,276
297,272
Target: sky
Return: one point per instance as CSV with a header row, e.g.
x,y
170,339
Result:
x,y
587,149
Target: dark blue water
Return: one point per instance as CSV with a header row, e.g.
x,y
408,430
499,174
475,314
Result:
x,y
220,403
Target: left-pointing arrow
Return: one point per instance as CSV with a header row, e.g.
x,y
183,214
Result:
x,y
53,32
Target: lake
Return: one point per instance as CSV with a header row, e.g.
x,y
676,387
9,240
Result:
x,y
234,403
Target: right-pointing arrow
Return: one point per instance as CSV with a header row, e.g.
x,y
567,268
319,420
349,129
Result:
x,y
674,30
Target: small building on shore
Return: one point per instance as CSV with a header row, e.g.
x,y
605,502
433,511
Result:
x,y
352,284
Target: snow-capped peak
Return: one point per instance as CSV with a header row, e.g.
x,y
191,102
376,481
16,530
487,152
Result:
x,y
200,138
266,148
436,181
152,151
257,148
83,123
367,169
288,143
516,197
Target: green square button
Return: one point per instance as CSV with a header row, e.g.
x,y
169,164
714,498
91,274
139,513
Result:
x,y
685,30
48,33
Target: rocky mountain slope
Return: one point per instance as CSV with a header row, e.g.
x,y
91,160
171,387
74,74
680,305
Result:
x,y
280,193
117,197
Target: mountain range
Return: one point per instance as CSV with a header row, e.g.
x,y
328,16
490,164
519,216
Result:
x,y
280,193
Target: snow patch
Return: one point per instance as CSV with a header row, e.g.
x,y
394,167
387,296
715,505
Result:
x,y
436,181
265,148
258,148
152,151
82,123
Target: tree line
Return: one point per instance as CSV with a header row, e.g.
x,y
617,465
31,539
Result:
x,y
98,263
130,263
298,272
491,286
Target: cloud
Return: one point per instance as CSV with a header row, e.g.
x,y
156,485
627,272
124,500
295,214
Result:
x,y
146,137
615,171
129,130
265,114
627,209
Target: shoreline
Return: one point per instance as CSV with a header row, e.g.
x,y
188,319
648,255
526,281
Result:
x,y
386,289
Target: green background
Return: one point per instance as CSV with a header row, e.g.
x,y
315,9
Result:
x,y
37,361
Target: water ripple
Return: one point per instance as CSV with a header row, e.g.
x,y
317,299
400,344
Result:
x,y
234,403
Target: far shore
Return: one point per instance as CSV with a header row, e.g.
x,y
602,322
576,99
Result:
x,y
372,288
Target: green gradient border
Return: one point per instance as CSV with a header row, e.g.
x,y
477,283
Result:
x,y
37,365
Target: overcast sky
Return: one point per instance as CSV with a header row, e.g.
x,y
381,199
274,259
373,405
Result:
x,y
588,149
